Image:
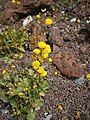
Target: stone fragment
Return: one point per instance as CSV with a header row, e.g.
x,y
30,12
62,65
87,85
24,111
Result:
x,y
27,20
68,64
73,20
55,37
80,81
84,48
56,49
48,117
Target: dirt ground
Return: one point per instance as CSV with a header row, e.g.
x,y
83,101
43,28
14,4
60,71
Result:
x,y
69,38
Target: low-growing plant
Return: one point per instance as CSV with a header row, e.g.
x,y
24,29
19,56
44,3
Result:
x,y
12,42
24,91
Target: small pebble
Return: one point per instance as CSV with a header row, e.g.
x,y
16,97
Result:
x,y
45,114
27,20
62,12
88,21
80,81
73,20
56,73
78,20
48,117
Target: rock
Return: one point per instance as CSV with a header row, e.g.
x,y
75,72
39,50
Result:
x,y
27,20
56,49
88,68
48,117
45,114
80,81
1,118
88,21
68,64
55,37
27,62
73,20
89,85
84,48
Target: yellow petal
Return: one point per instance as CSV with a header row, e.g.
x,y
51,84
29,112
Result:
x,y
45,55
88,76
43,74
4,71
48,21
60,107
34,86
40,70
36,51
50,59
47,49
41,44
35,64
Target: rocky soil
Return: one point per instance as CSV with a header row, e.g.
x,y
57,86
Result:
x,y
69,37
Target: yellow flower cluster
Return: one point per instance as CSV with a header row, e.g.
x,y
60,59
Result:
x,y
15,1
40,54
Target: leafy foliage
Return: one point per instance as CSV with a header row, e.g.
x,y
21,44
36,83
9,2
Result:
x,y
12,42
24,91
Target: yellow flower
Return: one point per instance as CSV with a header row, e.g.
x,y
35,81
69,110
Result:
x,y
47,49
50,59
78,115
40,59
21,94
60,107
38,16
16,1
25,89
40,70
48,21
36,51
45,55
43,74
34,86
15,84
13,66
88,76
35,64
4,71
84,65
41,44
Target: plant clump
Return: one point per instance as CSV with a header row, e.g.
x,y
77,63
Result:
x,y
24,91
12,42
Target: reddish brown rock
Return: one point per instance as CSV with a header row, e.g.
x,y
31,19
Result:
x,y
84,48
55,37
68,65
56,49
1,118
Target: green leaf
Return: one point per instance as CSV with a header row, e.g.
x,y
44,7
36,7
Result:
x,y
38,103
21,49
13,102
31,116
